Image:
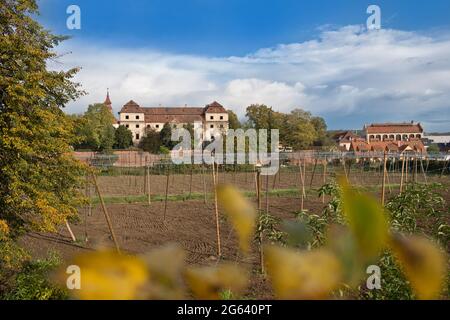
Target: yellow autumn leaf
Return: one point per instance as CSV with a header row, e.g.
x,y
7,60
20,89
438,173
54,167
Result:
x,y
423,262
166,266
4,230
240,212
367,221
209,282
107,275
302,274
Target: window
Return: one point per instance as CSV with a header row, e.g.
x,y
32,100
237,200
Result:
x,y
127,117
221,126
221,117
211,126
127,125
148,126
137,117
211,117
137,136
137,126
157,126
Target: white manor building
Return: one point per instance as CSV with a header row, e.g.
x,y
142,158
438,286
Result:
x,y
211,118
407,131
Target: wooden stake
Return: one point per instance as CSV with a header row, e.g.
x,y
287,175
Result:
x,y
302,181
204,184
167,193
216,209
324,178
148,186
423,171
313,173
105,212
345,169
70,231
190,182
383,187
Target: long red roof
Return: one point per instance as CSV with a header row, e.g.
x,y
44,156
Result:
x,y
394,128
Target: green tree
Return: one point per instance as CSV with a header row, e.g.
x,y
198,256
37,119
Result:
x,y
261,116
300,131
151,142
40,179
123,138
433,148
233,121
320,127
95,128
165,136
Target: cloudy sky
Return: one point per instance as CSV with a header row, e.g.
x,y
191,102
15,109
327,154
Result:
x,y
318,56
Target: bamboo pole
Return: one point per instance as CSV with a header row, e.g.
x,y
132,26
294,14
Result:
x,y
167,193
190,182
383,187
105,212
324,178
401,177
345,169
313,173
74,239
149,189
258,186
204,185
216,209
302,181
423,171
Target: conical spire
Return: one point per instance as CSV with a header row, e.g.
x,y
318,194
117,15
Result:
x,y
107,100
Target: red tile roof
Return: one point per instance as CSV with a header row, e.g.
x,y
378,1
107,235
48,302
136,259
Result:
x,y
172,114
390,146
215,107
382,128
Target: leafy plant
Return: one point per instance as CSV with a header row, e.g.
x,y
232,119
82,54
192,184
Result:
x,y
32,283
420,203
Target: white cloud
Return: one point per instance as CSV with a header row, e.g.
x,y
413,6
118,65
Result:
x,y
381,75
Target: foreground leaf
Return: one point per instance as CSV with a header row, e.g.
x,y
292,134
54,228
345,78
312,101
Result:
x,y
107,275
241,213
302,275
166,266
209,282
367,222
423,262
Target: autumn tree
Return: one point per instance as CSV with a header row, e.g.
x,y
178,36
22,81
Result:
x,y
39,177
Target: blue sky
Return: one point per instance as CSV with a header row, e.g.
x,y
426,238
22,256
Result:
x,y
311,54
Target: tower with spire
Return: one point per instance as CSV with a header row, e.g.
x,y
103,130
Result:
x,y
108,104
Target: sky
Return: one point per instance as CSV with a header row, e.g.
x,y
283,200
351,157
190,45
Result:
x,y
315,55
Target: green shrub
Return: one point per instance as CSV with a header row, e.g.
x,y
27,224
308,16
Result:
x,y
32,283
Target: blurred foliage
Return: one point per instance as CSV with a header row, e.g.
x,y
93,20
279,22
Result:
x,y
302,266
32,282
